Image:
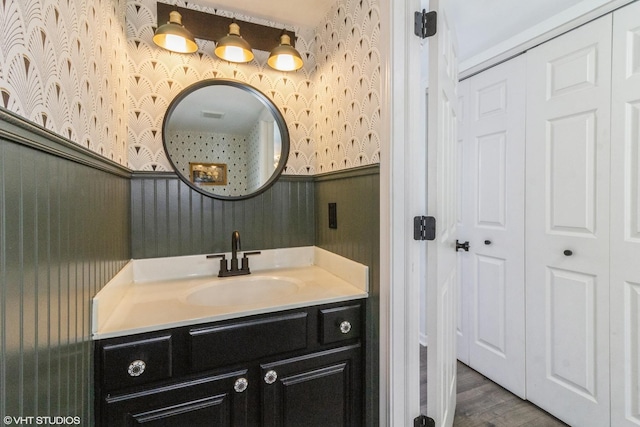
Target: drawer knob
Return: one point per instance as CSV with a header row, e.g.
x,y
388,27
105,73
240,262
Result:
x,y
241,385
270,377
136,368
345,327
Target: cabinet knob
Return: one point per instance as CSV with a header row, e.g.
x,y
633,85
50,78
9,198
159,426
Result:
x,y
270,377
136,368
345,327
241,385
568,252
487,242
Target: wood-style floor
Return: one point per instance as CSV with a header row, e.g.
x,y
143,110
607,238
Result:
x,y
483,403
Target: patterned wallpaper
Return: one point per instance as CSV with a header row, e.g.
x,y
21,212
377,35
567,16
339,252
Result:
x,y
346,101
88,70
63,65
157,76
186,147
331,105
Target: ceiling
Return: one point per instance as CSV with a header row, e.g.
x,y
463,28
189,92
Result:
x,y
480,24
306,13
229,110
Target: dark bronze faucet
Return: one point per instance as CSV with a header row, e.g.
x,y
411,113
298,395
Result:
x,y
225,271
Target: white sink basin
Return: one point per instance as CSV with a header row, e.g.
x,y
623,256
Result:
x,y
243,290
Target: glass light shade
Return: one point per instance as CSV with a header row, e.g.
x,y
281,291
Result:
x,y
285,57
233,47
174,37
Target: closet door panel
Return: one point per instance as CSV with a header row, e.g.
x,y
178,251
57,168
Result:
x,y
571,174
491,179
494,223
491,319
572,333
567,228
625,220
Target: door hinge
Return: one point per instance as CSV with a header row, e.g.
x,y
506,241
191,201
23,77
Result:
x,y
425,24
424,421
424,228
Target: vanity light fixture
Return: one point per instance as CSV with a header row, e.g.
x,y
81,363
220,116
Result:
x,y
174,36
285,57
233,47
207,26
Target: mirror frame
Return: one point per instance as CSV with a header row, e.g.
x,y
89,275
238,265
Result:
x,y
271,107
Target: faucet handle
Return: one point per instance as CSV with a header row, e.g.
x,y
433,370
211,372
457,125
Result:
x,y
245,260
223,263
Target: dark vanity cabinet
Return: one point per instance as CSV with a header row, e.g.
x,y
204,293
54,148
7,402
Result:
x,y
319,389
301,367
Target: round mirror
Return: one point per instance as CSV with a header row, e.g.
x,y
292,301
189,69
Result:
x,y
225,139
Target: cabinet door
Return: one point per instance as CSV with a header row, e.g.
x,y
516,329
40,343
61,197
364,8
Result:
x,y
212,401
567,224
321,389
625,219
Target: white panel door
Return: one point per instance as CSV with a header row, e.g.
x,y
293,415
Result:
x,y
494,212
625,219
464,217
567,225
442,168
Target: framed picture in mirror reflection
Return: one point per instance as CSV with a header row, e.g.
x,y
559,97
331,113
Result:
x,y
208,173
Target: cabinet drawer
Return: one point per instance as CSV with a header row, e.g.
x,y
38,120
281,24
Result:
x,y
208,401
136,363
339,324
236,342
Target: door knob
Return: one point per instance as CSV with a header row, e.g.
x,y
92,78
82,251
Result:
x,y
464,246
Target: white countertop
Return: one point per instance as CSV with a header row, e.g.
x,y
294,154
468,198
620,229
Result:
x,y
149,295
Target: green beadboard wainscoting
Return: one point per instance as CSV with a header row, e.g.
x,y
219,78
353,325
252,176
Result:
x,y
64,233
171,219
356,193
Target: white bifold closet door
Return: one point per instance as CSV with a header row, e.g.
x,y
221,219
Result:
x,y
625,219
491,332
567,224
